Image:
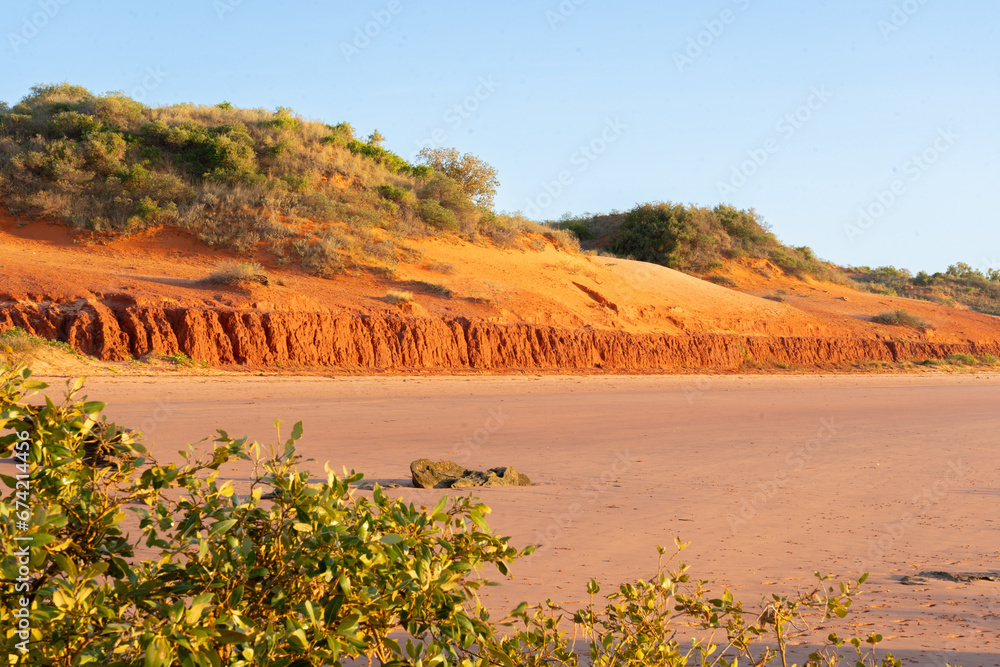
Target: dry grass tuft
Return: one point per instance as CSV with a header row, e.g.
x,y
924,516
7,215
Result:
x,y
235,273
902,318
396,296
23,345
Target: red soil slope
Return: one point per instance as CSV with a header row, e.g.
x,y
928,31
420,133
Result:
x,y
499,309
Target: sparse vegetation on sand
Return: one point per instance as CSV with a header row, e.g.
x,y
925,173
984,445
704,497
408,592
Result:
x,y
959,284
963,359
245,179
439,290
902,318
285,571
21,344
18,344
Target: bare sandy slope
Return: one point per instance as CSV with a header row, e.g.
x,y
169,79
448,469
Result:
x,y
770,478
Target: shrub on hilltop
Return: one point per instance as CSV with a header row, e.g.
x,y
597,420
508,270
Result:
x,y
239,178
477,178
697,239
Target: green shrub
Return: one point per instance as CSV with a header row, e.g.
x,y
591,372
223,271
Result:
x,y
178,359
393,193
581,231
392,162
74,125
961,359
437,216
311,575
341,134
901,318
283,120
476,177
650,233
698,239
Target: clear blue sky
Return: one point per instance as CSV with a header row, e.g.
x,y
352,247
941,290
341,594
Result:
x,y
678,101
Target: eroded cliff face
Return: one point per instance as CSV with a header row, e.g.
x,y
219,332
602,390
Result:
x,y
115,330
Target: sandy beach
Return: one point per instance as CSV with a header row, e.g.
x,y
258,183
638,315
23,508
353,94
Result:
x,y
770,478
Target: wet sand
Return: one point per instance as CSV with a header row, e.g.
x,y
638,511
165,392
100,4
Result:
x,y
769,477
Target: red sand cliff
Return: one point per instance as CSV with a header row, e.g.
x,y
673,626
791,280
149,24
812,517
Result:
x,y
503,309
116,332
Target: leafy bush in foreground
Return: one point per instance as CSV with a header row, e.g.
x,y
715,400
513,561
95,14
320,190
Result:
x,y
292,573
313,576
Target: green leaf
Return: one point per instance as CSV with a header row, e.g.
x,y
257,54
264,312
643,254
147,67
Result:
x,y
227,636
158,653
41,539
349,625
439,507
392,538
297,431
479,520
302,527
61,600
220,527
65,564
197,606
298,639
93,407
311,611
501,657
